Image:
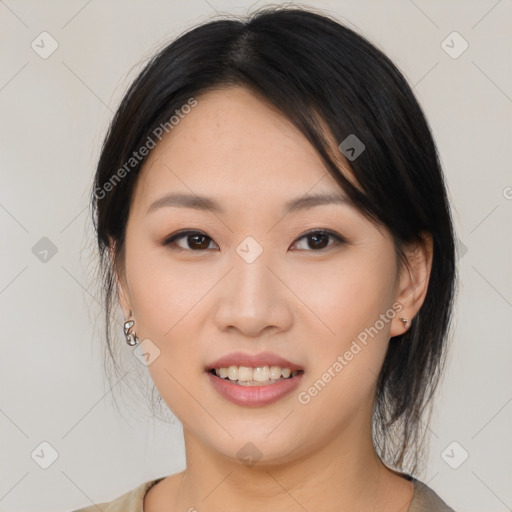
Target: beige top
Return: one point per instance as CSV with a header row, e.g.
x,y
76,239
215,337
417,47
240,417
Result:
x,y
424,500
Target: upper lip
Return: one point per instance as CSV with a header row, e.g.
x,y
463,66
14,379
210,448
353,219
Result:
x,y
253,361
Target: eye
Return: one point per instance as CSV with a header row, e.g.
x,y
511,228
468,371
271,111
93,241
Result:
x,y
195,240
198,241
319,239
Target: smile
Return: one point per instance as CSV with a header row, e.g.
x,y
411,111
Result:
x,y
254,387
259,376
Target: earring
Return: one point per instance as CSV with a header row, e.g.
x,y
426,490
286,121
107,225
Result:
x,y
131,337
404,321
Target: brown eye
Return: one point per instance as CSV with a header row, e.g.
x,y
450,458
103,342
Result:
x,y
194,240
319,239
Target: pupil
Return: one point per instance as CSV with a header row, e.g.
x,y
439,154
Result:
x,y
199,246
320,235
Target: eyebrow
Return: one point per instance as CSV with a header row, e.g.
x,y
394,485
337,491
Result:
x,y
208,204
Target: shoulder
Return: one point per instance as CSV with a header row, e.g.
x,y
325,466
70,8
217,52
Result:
x,y
426,500
131,501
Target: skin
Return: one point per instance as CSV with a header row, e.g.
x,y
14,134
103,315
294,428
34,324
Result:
x,y
304,303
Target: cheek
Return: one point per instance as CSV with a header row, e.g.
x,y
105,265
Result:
x,y
163,293
346,295
350,299
167,306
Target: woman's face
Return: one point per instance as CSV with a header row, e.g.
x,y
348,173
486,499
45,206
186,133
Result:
x,y
258,277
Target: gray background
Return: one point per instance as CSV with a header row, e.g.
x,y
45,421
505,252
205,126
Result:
x,y
54,115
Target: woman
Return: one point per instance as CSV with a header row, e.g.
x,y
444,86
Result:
x,y
272,219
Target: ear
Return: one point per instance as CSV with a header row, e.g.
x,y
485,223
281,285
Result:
x,y
119,281
413,282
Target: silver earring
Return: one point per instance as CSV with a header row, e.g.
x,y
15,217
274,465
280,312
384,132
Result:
x,y
404,321
131,337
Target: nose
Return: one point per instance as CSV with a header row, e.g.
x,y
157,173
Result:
x,y
254,298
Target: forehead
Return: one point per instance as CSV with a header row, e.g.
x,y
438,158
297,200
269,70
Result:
x,y
236,118
234,143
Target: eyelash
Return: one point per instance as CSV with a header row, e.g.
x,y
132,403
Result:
x,y
339,240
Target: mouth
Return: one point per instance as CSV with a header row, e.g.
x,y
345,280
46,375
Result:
x,y
254,376
257,386
253,380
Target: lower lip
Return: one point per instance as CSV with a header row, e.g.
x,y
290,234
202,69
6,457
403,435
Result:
x,y
254,396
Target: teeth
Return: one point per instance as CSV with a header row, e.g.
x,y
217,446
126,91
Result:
x,y
246,374
261,374
275,372
232,372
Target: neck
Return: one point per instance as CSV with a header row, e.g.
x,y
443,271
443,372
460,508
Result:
x,y
344,474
